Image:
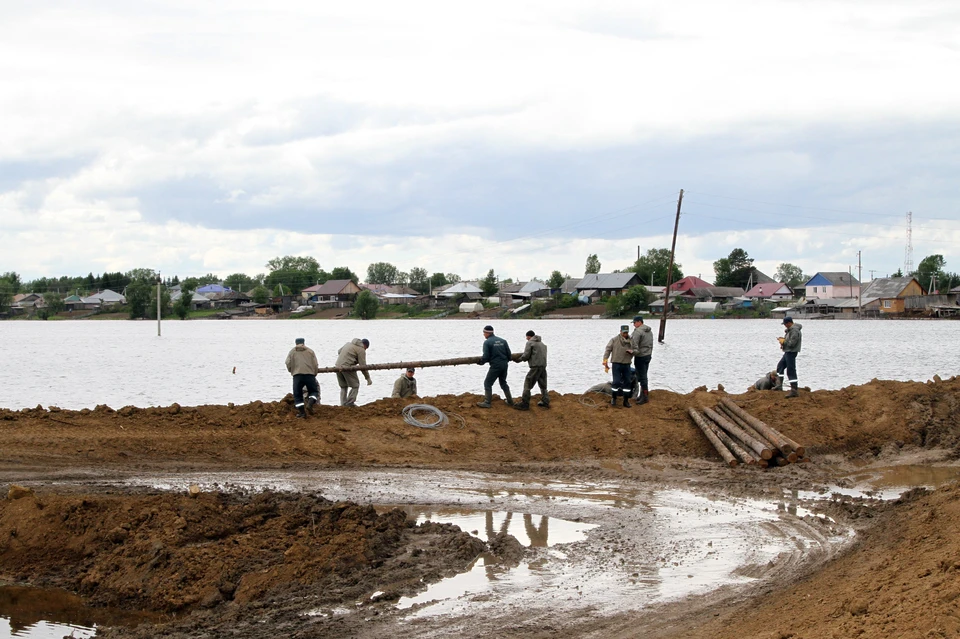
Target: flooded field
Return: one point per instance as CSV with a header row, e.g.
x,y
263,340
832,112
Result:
x,y
217,362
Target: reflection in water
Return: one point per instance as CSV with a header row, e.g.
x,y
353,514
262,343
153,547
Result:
x,y
535,533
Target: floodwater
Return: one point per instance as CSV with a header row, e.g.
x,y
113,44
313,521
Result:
x,y
42,613
79,364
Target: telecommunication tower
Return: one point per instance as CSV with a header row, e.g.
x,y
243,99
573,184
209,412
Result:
x,y
908,252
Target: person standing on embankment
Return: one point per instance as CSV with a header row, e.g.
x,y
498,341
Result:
x,y
496,352
535,352
302,364
642,342
620,351
353,353
790,345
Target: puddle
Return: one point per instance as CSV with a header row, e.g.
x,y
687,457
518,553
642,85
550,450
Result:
x,y
531,530
41,613
888,482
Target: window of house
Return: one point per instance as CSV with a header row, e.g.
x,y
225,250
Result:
x,y
886,303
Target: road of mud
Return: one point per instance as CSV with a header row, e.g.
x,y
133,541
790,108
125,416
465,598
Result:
x,y
99,503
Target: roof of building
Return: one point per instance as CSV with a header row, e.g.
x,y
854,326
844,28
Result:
x,y
461,287
768,290
333,287
688,282
213,288
837,278
106,296
715,291
887,287
512,287
533,287
606,281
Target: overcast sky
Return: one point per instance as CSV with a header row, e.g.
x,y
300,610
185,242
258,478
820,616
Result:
x,y
195,137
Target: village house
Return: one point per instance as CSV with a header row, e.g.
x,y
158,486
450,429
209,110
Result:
x,y
887,295
599,285
832,285
334,294
773,292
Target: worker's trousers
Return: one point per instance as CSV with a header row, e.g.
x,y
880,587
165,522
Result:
x,y
349,383
621,379
642,364
496,373
788,363
536,376
313,388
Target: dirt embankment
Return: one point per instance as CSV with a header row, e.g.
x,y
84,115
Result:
x,y
233,560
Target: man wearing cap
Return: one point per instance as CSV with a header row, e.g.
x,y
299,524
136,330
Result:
x,y
496,352
353,353
772,381
619,352
405,386
790,345
302,364
535,352
642,344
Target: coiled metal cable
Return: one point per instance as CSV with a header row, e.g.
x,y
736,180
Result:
x,y
441,417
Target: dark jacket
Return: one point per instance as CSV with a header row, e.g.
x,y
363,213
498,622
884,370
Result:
x,y
792,339
642,340
535,352
496,352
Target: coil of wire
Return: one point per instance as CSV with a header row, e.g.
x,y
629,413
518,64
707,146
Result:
x,y
409,416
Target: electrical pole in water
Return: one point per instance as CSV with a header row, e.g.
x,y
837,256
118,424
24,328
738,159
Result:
x,y
673,248
159,281
860,287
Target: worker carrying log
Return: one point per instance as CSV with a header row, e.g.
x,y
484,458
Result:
x,y
405,386
302,364
535,353
353,353
770,381
496,352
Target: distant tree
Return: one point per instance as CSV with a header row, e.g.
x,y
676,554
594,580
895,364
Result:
x,y
593,264
303,263
239,282
453,278
930,269
637,298
294,273
366,305
438,279
182,306
12,281
616,305
556,280
652,267
344,273
175,280
382,273
7,291
403,278
260,294
489,284
54,303
419,279
790,274
138,298
898,273
733,270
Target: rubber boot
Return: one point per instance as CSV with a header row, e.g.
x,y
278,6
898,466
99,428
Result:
x,y
626,400
643,398
544,402
301,413
793,391
486,401
779,385
522,406
509,398
310,403
613,400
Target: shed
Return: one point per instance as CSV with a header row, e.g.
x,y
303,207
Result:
x,y
471,307
706,307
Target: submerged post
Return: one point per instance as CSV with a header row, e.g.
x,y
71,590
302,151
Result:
x,y
159,282
673,248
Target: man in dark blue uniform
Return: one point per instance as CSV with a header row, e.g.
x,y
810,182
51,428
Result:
x,y
496,352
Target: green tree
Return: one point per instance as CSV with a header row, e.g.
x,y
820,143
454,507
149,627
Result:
x,y
344,273
616,305
54,303
382,273
593,264
489,284
637,298
652,267
12,281
733,270
182,306
239,282
260,294
138,298
452,278
930,269
419,279
556,280
366,306
294,273
438,279
790,274
165,306
8,288
899,273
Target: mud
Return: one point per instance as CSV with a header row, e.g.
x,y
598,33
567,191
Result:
x,y
246,563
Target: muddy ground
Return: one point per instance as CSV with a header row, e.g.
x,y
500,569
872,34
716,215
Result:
x,y
249,564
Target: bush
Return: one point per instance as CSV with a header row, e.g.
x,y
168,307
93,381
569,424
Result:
x,y
567,301
366,306
616,305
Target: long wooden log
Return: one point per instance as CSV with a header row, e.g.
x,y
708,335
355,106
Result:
x,y
701,422
742,453
742,424
757,446
772,435
455,361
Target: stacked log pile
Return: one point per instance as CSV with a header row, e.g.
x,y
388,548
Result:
x,y
739,437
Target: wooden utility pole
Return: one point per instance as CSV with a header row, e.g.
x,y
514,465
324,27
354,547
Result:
x,y
673,248
159,284
859,288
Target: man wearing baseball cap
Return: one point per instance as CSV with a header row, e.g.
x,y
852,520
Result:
x,y
302,364
790,345
496,352
405,386
620,351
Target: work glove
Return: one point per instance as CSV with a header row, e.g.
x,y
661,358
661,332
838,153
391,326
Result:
x,y
369,381
606,369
